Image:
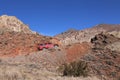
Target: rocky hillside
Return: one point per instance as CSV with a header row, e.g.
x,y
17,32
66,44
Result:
x,y
99,46
108,27
20,58
78,36
14,43
11,23
16,37
104,58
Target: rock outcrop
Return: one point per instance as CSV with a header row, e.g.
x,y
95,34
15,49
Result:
x,y
11,23
104,58
76,36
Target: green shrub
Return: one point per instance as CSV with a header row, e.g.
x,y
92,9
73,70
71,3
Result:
x,y
76,68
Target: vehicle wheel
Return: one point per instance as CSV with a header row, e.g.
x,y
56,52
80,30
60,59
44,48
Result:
x,y
44,49
56,46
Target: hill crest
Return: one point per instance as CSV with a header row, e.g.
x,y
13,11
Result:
x,y
11,23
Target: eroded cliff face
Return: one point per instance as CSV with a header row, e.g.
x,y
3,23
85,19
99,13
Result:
x,y
11,23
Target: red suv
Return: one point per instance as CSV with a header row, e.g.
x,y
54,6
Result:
x,y
46,46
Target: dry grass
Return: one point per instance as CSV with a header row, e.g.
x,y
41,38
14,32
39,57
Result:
x,y
32,72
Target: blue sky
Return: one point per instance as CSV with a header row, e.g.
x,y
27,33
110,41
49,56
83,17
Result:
x,y
51,17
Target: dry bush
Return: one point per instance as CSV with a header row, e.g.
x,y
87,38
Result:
x,y
76,68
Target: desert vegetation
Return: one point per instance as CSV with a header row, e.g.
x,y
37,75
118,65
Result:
x,y
75,68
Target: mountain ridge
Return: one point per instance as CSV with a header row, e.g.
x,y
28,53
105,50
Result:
x,y
85,35
12,23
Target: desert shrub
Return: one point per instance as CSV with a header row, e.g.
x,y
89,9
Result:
x,y
76,68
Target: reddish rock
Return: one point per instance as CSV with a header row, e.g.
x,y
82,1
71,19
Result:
x,y
14,43
76,51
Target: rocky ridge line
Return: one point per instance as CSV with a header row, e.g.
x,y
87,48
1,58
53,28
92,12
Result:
x,y
11,23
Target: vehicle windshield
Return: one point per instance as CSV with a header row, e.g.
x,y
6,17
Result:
x,y
41,44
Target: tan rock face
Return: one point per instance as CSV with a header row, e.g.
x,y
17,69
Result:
x,y
115,33
76,36
79,36
11,23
